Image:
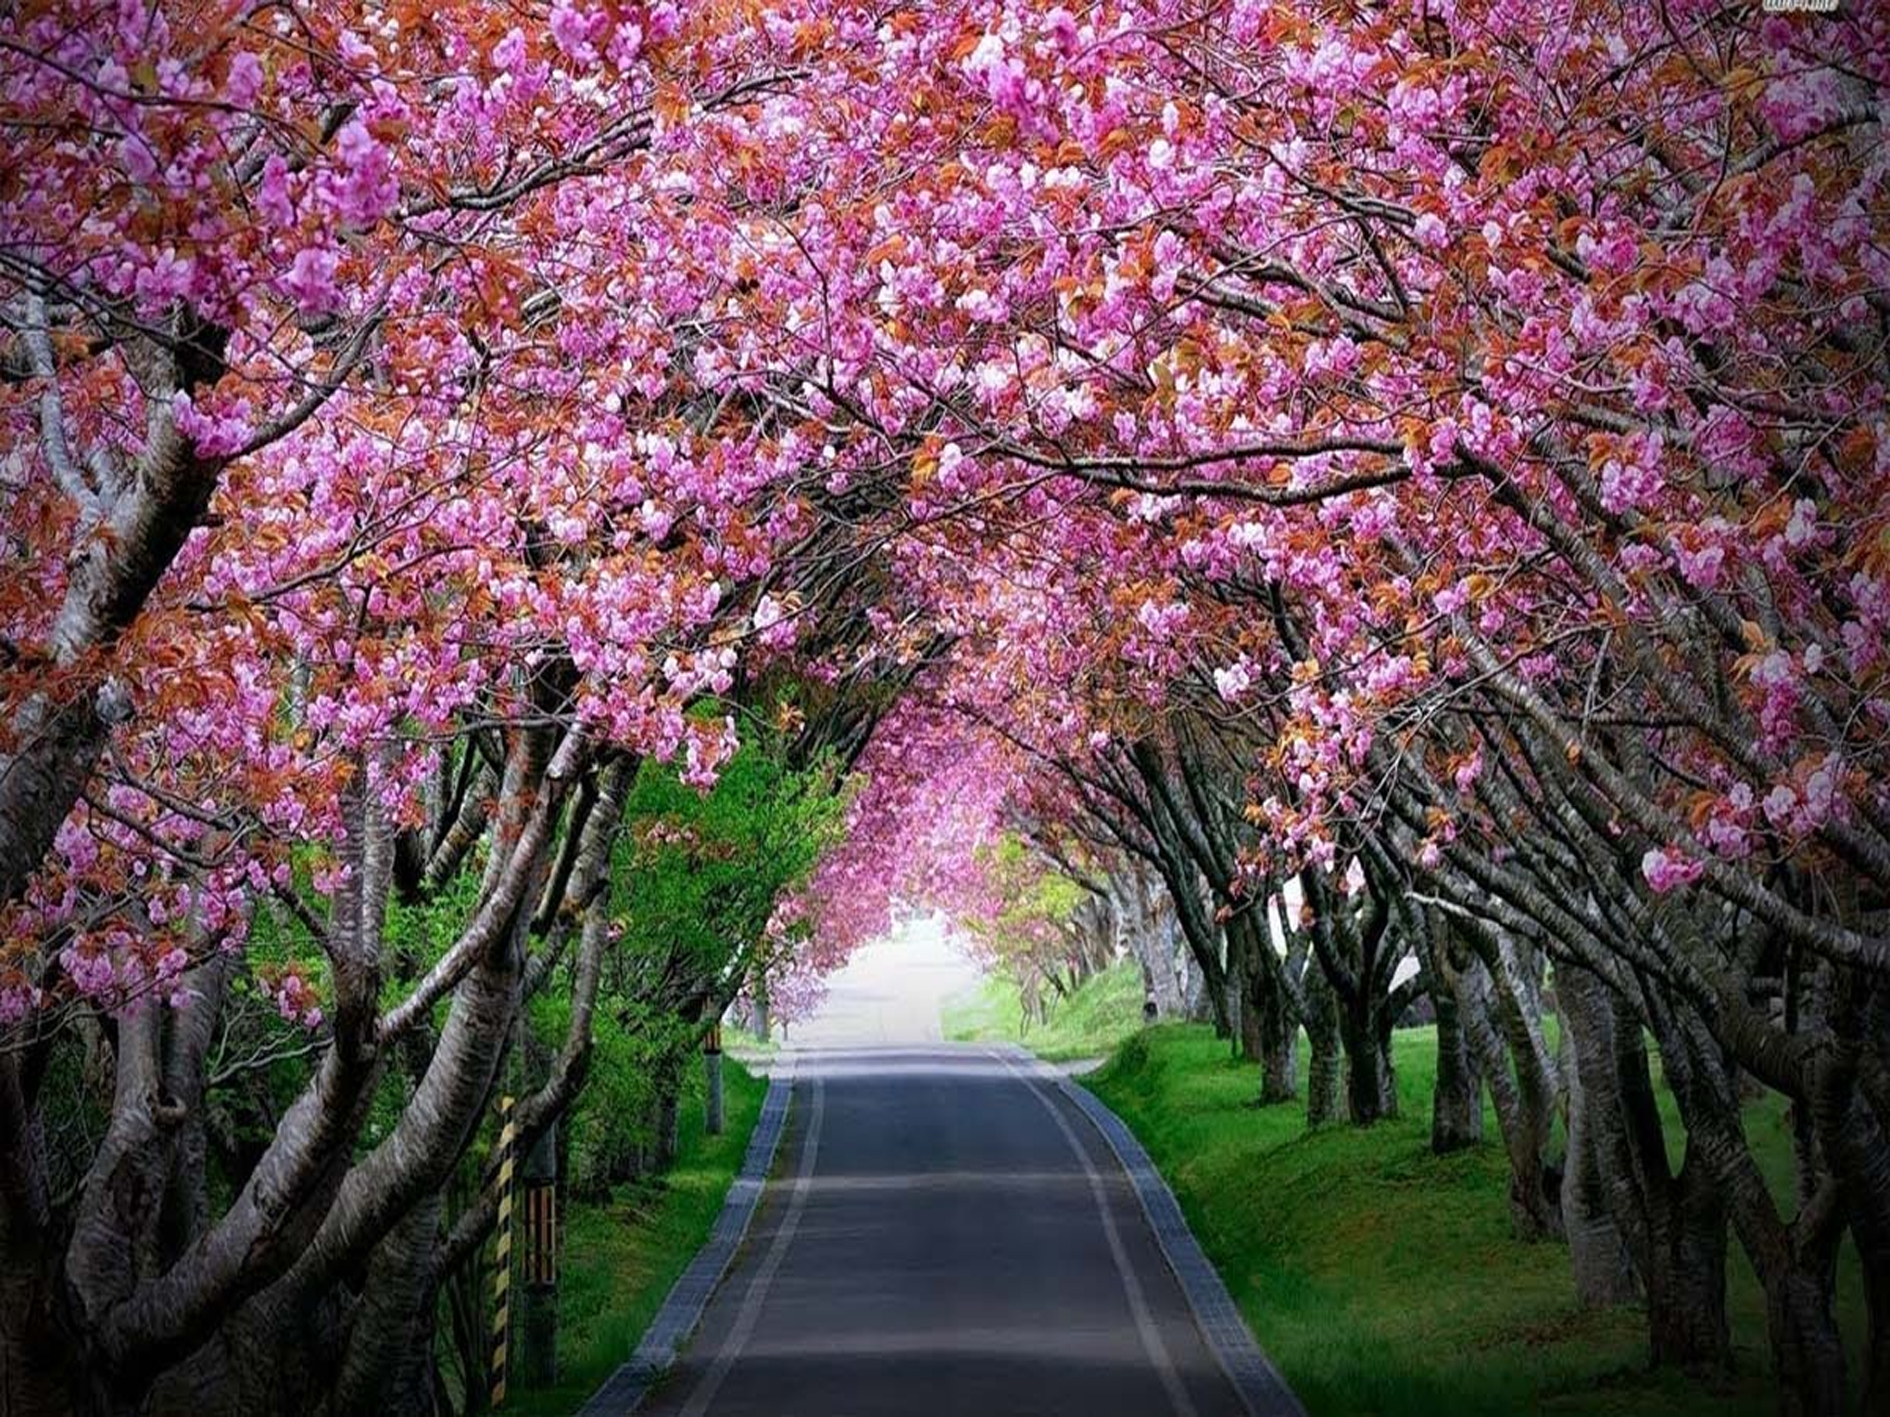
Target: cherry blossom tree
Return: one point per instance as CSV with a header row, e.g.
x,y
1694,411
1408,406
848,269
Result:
x,y
1425,463
367,523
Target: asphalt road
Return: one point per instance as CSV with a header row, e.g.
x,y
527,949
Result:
x,y
944,1235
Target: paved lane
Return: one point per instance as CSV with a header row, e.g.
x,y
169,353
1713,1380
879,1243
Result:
x,y
944,1236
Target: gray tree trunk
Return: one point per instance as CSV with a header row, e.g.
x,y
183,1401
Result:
x,y
54,740
1371,1093
1325,1074
1674,1224
1146,920
1604,1270
1457,1100
667,1121
1524,1111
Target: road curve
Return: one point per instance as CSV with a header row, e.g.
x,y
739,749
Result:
x,y
945,1235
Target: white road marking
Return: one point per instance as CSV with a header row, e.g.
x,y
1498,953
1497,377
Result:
x,y
1145,1325
750,1312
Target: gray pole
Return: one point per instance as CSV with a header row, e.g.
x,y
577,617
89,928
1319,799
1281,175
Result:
x,y
712,1068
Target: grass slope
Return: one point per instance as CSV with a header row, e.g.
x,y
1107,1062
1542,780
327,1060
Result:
x,y
1382,1279
620,1258
1102,1011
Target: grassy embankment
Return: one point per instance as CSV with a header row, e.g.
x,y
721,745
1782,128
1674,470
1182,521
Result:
x,y
1105,1009
620,1258
1380,1278
1383,1280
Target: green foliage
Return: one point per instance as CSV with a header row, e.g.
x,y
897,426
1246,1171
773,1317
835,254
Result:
x,y
1025,936
621,1255
1382,1279
697,875
694,879
986,1012
1099,1014
612,1121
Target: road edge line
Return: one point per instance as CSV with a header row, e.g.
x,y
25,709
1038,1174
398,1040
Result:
x,y
1248,1368
682,1308
1153,1344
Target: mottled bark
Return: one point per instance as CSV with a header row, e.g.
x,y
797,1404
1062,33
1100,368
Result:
x,y
1866,1170
56,737
387,1358
1148,927
1324,1073
1457,1099
1849,1101
1686,1277
1269,1017
1279,1058
1240,1000
410,1169
1604,1271
1674,1224
665,1126
153,1304
1371,1093
539,1112
712,1122
1511,1058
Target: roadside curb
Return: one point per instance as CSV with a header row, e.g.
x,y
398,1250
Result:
x,y
1261,1388
682,1309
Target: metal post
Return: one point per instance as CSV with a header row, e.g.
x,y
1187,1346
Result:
x,y
502,1253
712,1066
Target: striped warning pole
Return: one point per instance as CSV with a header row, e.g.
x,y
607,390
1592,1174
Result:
x,y
502,1253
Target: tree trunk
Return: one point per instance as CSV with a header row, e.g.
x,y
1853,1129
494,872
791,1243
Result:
x,y
1852,1125
1872,1234
1323,1074
386,1364
1524,1111
759,1006
1675,1225
54,738
1370,1093
1535,1181
35,1379
668,1115
1686,1278
1604,1270
1240,1003
1267,1013
1807,1350
1279,1058
1197,1000
1457,1100
1149,926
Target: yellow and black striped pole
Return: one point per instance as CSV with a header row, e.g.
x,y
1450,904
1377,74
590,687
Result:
x,y
502,1253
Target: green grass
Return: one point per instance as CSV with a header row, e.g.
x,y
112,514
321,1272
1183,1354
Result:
x,y
989,1011
1382,1279
1105,1009
739,1040
620,1259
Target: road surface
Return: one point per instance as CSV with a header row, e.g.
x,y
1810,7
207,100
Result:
x,y
943,1236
